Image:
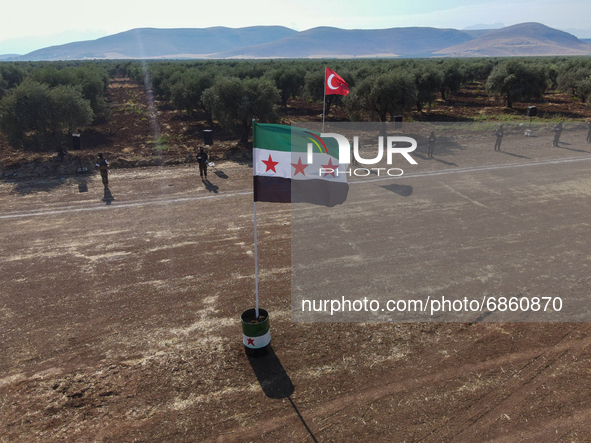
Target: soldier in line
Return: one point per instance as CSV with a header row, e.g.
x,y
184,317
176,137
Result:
x,y
202,160
103,166
431,147
557,131
500,133
589,132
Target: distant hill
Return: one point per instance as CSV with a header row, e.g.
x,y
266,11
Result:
x,y
477,32
523,39
481,26
166,43
9,56
323,42
335,42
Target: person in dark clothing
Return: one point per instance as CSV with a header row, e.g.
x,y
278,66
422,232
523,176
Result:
x,y
103,166
500,133
589,132
557,131
431,147
202,160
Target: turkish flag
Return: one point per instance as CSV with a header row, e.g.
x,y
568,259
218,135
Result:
x,y
334,83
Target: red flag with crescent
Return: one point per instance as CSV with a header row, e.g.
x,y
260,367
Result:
x,y
334,83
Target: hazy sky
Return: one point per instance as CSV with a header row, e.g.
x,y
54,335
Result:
x,y
34,24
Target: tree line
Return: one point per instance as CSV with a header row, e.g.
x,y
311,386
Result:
x,y
39,102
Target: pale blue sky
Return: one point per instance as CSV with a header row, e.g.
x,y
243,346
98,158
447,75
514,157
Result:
x,y
34,24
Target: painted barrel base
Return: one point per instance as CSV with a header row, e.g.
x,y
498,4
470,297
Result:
x,y
255,336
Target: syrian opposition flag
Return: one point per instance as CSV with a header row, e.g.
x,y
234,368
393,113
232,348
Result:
x,y
282,173
334,83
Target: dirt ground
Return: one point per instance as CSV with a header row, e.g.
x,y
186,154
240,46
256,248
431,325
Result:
x,y
120,317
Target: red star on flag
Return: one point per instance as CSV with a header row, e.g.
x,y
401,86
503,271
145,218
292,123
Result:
x,y
330,166
251,341
270,164
299,167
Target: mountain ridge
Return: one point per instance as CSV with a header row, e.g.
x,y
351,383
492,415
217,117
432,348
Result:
x,y
156,42
525,39
259,42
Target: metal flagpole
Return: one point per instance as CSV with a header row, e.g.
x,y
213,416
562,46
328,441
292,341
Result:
x,y
324,100
256,257
256,264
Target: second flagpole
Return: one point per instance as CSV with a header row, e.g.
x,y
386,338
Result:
x,y
256,256
324,99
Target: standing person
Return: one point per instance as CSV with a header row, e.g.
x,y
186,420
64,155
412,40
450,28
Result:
x,y
557,131
202,160
500,133
431,140
103,166
589,132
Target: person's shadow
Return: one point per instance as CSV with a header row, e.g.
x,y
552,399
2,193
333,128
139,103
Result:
x,y
210,186
108,197
274,381
402,190
515,155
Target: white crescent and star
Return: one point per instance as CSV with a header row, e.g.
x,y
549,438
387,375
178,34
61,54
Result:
x,y
329,82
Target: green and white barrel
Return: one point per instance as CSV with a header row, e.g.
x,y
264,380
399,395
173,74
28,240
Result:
x,y
255,336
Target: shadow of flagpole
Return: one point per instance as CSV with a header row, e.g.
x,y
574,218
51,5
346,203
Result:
x,y
274,381
302,419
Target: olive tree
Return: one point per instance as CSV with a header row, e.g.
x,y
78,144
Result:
x,y
186,93
91,81
428,81
11,75
453,77
289,81
234,102
584,89
515,81
35,116
392,93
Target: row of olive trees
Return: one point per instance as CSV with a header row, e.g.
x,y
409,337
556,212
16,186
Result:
x,y
574,76
397,85
11,75
35,116
380,90
232,92
40,103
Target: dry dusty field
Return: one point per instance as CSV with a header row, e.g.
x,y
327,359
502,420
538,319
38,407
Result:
x,y
120,321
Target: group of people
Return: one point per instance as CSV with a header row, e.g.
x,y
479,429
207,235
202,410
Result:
x,y
202,159
102,164
499,134
558,129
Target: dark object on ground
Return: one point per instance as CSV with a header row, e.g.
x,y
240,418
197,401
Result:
x,y
208,137
76,142
532,111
